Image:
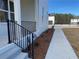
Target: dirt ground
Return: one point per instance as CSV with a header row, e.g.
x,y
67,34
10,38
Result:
x,y
72,35
42,43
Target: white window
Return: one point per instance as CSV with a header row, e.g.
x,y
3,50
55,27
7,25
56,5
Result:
x,y
6,10
50,22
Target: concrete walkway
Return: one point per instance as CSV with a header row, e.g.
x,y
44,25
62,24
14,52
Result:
x,y
59,47
66,26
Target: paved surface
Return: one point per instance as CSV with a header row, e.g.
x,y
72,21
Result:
x,y
66,26
59,47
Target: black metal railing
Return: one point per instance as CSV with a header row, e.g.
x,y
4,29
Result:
x,y
21,37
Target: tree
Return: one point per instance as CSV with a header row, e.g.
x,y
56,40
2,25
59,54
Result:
x,y
63,18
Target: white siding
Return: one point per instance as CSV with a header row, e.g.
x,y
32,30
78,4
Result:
x,y
3,29
28,10
41,16
33,10
3,34
74,21
51,18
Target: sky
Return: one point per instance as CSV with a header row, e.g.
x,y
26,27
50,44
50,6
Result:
x,y
64,6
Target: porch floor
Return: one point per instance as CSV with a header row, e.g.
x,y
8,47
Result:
x,y
3,41
59,47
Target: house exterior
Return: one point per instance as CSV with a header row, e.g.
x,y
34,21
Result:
x,y
28,13
31,14
51,21
19,21
75,21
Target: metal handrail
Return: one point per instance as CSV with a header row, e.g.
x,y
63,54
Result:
x,y
21,36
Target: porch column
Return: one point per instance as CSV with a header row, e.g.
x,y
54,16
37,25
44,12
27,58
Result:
x,y
17,11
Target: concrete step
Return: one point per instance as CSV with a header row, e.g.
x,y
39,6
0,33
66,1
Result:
x,y
11,52
22,56
7,48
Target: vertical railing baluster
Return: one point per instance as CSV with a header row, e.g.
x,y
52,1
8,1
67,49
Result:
x,y
8,28
24,38
20,35
27,40
13,31
32,47
10,25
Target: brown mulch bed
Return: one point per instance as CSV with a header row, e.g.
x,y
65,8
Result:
x,y
42,43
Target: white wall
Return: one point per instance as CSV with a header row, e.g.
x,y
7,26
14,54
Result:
x,y
41,11
74,21
28,10
51,18
3,34
28,14
3,30
33,10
